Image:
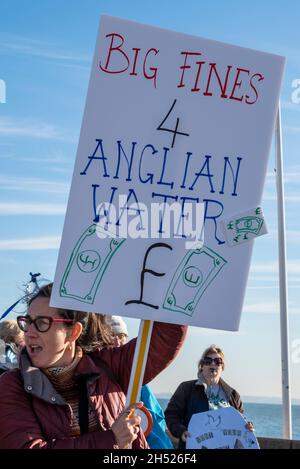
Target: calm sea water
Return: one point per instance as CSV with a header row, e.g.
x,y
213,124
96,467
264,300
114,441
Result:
x,y
267,418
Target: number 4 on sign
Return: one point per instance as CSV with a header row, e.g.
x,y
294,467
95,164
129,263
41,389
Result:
x,y
172,131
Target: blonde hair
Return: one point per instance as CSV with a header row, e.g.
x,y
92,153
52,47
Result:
x,y
10,331
211,349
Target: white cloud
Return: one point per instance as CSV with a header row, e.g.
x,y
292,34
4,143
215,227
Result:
x,y
4,259
263,278
291,176
262,287
268,281
270,177
23,45
30,244
263,307
292,236
269,307
289,105
293,267
287,198
29,184
38,130
266,274
12,208
292,129
202,331
56,158
264,267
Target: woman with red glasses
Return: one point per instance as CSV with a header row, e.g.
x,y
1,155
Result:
x,y
70,388
208,392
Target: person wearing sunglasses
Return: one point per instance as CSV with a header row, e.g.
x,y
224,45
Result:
x,y
13,339
69,390
208,392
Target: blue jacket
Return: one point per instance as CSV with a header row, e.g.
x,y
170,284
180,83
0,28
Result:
x,y
157,439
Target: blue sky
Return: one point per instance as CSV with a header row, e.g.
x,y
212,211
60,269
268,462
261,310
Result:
x,y
46,49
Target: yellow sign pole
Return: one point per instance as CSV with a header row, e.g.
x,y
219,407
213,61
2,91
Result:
x,y
139,362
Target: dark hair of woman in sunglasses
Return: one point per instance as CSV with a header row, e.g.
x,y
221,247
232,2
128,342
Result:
x,y
95,331
69,391
208,392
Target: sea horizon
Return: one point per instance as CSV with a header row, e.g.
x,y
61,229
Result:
x,y
249,399
266,416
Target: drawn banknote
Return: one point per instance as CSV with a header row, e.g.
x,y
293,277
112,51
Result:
x,y
244,227
87,265
193,276
248,225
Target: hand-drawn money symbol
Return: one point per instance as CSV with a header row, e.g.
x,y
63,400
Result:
x,y
192,276
248,225
88,261
144,271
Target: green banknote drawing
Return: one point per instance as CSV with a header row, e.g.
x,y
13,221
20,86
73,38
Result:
x,y
193,276
87,264
248,225
244,227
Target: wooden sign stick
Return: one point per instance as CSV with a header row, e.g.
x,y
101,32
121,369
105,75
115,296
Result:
x,y
139,362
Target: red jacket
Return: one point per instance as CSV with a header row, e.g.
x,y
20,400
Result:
x,y
34,415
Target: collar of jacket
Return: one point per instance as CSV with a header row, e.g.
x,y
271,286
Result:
x,y
38,384
226,388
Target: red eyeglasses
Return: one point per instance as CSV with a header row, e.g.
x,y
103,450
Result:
x,y
41,323
208,361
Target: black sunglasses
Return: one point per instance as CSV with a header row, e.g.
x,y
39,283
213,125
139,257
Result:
x,y
208,361
41,323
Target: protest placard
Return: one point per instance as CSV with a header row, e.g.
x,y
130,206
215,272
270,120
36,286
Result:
x,y
175,119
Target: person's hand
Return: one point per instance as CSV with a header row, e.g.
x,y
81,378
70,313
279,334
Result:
x,y
185,435
250,426
126,426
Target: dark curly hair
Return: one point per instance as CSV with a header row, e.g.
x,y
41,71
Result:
x,y
96,333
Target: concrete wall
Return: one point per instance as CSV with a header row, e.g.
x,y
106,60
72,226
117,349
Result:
x,y
278,443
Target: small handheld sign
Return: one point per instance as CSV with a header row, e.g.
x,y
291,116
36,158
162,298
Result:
x,y
223,428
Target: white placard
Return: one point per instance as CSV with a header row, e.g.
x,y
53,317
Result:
x,y
220,429
169,118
